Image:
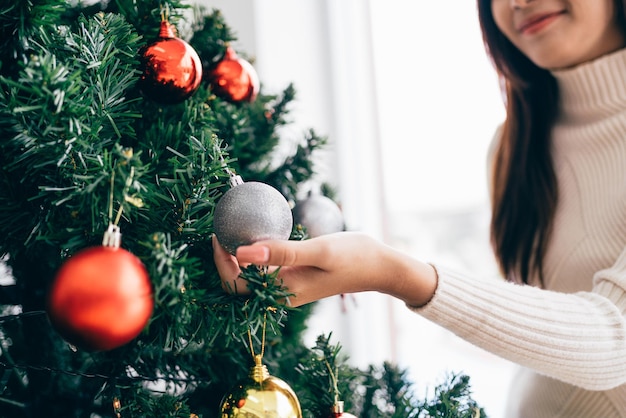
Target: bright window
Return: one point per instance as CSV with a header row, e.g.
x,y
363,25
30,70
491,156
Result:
x,y
410,102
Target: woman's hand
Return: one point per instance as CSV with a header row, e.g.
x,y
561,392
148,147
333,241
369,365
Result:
x,y
345,262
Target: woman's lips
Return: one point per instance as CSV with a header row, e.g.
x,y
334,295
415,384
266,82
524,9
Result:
x,y
536,23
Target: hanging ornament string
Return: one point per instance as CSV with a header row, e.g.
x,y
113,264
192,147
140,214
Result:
x,y
111,194
165,12
234,179
127,184
263,329
337,409
166,29
333,378
113,237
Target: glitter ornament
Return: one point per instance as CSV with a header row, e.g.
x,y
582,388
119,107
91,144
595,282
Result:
x,y
319,215
171,68
101,297
251,212
260,396
234,79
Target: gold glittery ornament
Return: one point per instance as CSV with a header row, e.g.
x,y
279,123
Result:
x,y
261,396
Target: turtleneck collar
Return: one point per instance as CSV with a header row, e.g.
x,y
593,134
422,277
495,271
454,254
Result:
x,y
593,90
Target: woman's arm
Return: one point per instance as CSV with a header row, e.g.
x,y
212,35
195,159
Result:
x,y
345,262
578,338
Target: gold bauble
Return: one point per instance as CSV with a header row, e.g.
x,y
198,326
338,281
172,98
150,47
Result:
x,y
261,396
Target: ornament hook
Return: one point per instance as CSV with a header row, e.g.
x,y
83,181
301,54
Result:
x,y
234,179
259,372
165,12
112,237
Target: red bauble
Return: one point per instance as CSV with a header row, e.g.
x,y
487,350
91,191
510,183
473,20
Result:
x,y
337,411
234,79
101,298
171,68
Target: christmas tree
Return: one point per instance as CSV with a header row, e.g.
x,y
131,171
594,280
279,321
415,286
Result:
x,y
121,132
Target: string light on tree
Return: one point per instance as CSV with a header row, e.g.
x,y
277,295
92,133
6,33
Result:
x,y
171,68
117,407
234,79
101,297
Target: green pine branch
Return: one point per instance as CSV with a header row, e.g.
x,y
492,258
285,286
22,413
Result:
x,y
82,149
19,19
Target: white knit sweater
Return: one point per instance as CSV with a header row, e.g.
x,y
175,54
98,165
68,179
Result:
x,y
571,338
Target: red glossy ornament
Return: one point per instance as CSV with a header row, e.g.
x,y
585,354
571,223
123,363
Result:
x,y
234,78
101,298
171,68
337,411
342,415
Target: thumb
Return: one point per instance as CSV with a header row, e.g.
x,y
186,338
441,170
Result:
x,y
281,253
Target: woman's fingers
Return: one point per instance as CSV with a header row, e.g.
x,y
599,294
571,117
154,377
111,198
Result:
x,y
343,262
281,253
254,254
312,269
228,269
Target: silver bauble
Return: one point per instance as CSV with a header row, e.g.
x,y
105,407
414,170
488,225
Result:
x,y
319,215
251,212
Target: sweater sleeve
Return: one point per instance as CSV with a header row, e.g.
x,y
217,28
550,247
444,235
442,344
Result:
x,y
579,338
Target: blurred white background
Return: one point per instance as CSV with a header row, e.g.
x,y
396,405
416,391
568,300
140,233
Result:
x,y
409,101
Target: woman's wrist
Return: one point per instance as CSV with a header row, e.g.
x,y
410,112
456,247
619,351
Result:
x,y
414,282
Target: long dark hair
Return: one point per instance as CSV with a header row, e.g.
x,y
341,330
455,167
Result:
x,y
524,185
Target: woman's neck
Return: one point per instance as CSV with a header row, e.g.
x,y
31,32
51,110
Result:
x,y
594,90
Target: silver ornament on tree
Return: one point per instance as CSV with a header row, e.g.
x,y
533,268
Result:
x,y
319,214
250,212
